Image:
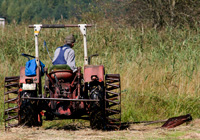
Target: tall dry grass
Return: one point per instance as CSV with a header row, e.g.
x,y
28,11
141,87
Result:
x,y
159,69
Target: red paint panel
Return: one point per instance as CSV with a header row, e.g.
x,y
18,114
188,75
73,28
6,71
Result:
x,y
61,111
23,77
65,74
93,70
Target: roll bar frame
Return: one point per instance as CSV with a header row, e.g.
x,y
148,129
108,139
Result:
x,y
37,28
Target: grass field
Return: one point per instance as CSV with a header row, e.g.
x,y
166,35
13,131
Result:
x,y
160,70
77,131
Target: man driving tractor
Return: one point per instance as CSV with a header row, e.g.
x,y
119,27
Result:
x,y
65,54
68,93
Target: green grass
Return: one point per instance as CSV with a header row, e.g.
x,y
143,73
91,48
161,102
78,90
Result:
x,y
1,106
159,69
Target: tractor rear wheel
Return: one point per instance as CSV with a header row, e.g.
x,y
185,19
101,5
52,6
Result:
x,y
11,107
113,101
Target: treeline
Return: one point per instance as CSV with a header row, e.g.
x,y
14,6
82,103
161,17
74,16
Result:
x,y
151,13
37,10
161,13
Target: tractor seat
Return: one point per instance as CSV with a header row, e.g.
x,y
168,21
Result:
x,y
61,72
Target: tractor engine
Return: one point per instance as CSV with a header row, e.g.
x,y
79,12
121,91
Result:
x,y
64,84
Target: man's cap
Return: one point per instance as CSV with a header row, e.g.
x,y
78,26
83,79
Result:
x,y
70,39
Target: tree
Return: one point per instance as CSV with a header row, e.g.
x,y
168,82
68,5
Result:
x,y
60,11
3,8
37,10
13,11
159,13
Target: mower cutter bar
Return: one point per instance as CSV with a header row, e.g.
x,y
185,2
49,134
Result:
x,y
61,99
59,25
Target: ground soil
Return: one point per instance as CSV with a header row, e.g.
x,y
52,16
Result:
x,y
79,131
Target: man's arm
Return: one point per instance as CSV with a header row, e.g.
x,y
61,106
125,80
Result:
x,y
70,59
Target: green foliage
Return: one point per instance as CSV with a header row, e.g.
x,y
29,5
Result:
x,y
162,13
153,13
38,10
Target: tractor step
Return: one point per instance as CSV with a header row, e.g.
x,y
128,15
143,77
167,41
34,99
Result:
x,y
113,101
11,108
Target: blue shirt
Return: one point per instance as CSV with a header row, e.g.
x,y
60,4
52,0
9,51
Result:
x,y
65,55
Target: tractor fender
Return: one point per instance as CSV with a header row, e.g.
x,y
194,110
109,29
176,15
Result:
x,y
97,70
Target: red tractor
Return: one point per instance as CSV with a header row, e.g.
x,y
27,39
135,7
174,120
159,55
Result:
x,y
91,95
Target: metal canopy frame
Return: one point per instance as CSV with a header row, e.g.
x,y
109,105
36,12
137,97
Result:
x,y
37,28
